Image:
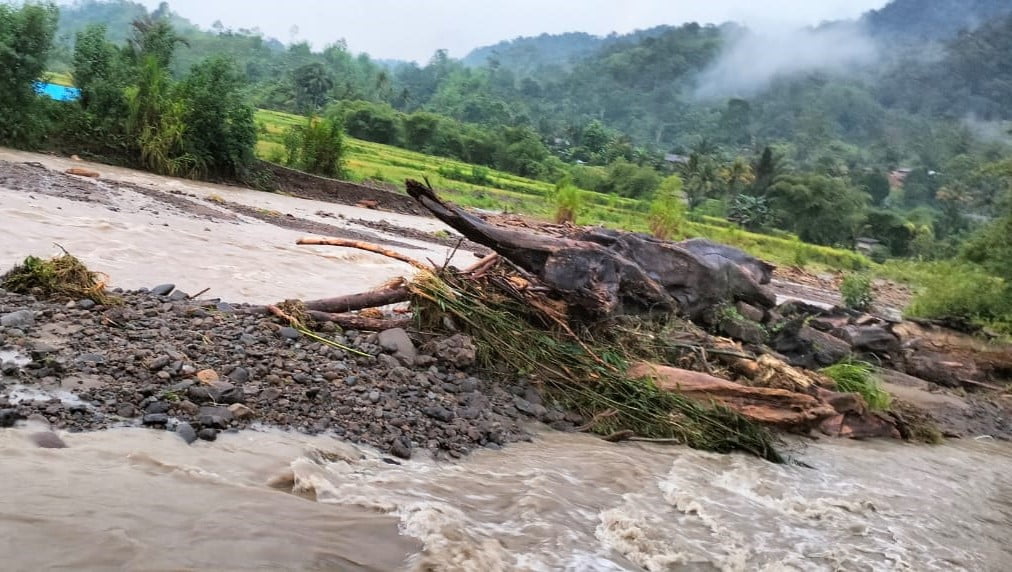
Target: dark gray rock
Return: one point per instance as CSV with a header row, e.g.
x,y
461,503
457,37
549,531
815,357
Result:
x,y
289,333
807,347
401,448
225,392
155,419
159,362
239,375
224,307
440,413
468,412
86,304
163,289
208,434
9,368
199,394
18,319
91,358
743,330
525,406
47,440
750,312
214,417
157,407
388,361
179,296
186,432
351,380
870,339
8,417
126,410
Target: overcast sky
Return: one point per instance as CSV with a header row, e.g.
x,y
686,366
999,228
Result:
x,y
414,29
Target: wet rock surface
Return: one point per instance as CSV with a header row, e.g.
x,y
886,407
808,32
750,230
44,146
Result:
x,y
186,366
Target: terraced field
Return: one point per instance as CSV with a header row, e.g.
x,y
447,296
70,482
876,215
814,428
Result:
x,y
367,161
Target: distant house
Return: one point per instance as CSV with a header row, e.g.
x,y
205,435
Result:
x,y
866,245
897,177
676,159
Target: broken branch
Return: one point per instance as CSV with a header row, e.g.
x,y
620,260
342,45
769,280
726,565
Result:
x,y
309,240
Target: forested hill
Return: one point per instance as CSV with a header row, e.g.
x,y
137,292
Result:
x,y
527,54
894,127
919,20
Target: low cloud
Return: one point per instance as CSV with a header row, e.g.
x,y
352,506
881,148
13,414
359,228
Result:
x,y
989,131
753,59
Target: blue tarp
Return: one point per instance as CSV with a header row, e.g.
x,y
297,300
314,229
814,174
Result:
x,y
57,92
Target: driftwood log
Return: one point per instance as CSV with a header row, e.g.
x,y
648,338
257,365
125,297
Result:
x,y
771,406
601,272
352,302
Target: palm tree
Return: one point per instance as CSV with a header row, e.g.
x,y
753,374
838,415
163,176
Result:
x,y
312,83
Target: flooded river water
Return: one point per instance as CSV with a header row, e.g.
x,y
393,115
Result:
x,y
144,500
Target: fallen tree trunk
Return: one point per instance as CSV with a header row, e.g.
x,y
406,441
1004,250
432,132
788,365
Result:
x,y
603,272
370,299
779,407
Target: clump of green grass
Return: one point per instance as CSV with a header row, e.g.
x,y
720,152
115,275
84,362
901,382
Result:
x,y
568,202
856,291
858,377
579,373
63,277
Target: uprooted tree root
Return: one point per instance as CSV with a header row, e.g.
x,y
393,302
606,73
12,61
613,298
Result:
x,y
526,332
61,277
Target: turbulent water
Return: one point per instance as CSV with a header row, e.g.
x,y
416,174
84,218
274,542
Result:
x,y
143,500
137,499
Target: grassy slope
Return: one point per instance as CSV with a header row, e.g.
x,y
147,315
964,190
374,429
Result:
x,y
376,162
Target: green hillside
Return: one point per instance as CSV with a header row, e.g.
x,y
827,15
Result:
x,y
367,161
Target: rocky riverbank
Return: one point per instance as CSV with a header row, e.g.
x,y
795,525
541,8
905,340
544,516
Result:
x,y
163,360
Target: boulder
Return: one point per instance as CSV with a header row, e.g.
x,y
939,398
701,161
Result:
x,y
19,319
750,312
163,289
214,417
186,433
743,330
807,347
876,339
397,342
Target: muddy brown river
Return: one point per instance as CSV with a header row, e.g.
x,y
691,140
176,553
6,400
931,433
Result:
x,y
132,499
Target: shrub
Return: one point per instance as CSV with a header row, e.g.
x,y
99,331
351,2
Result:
x,y
856,291
857,377
960,290
317,147
667,211
568,201
750,212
